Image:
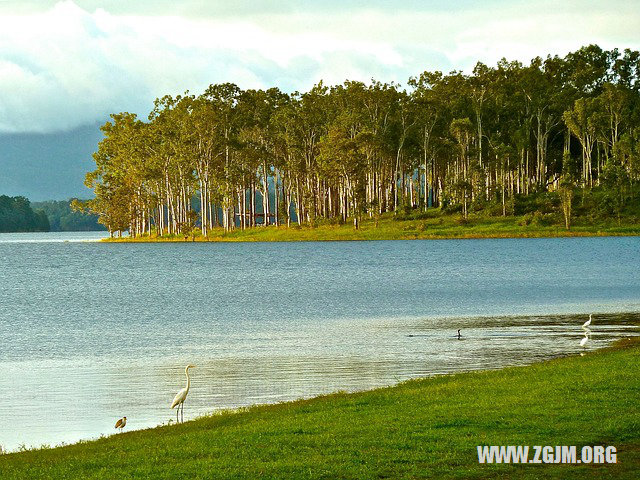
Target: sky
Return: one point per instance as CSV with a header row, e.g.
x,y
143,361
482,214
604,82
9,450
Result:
x,y
64,64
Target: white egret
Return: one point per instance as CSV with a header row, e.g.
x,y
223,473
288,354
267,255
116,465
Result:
x,y
181,396
587,332
121,423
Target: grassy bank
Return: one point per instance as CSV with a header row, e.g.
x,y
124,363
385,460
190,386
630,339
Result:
x,y
432,225
420,429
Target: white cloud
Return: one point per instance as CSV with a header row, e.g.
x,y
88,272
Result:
x,y
67,65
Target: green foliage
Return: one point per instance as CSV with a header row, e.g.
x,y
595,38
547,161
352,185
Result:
x,y
417,214
333,221
450,209
17,215
538,219
63,218
542,202
495,209
187,227
603,203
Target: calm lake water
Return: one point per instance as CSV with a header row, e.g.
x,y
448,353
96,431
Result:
x,y
91,331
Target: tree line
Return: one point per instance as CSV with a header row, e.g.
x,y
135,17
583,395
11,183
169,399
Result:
x,y
16,215
62,218
338,153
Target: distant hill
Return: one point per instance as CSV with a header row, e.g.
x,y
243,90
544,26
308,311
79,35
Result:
x,y
48,166
63,219
17,215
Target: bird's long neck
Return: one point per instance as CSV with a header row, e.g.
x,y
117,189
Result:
x,y
186,372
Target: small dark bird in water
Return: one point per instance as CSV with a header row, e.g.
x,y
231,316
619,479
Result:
x,y
459,334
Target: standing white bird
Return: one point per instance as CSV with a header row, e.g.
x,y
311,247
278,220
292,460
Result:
x,y
181,396
587,332
121,423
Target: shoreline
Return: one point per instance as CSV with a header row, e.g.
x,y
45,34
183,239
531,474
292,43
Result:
x,y
244,240
613,345
431,416
433,225
438,228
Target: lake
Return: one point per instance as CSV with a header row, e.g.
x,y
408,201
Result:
x,y
94,331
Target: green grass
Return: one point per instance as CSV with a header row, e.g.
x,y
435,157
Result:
x,y
419,429
435,225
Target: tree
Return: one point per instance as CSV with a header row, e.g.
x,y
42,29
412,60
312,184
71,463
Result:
x,y
566,196
582,122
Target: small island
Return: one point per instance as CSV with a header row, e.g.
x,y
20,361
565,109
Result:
x,y
507,150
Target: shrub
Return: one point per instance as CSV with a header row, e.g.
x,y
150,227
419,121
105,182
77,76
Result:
x,y
454,208
494,210
526,220
538,219
544,202
430,213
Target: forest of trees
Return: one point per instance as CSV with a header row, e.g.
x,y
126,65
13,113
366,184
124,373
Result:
x,y
16,215
62,218
460,141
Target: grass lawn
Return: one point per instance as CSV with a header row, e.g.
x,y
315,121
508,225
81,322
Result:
x,y
434,225
419,429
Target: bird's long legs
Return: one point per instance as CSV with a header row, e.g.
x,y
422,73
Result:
x,y
180,413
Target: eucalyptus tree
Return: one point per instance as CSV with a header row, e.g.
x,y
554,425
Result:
x,y
581,120
344,151
223,100
305,124
377,105
428,115
206,147
462,129
119,175
541,90
258,148
479,91
170,159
